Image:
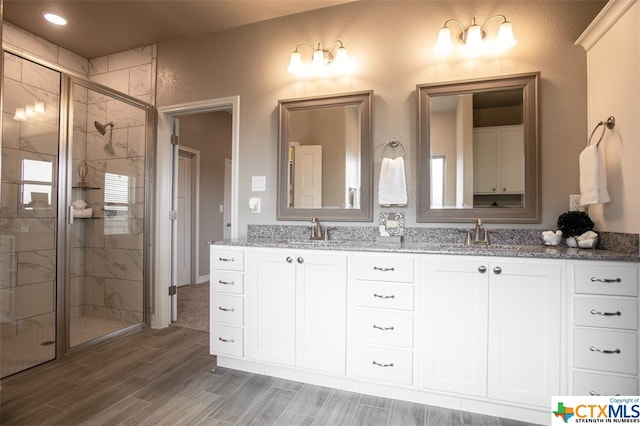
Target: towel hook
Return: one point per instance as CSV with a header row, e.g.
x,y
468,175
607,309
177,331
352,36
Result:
x,y
610,123
394,143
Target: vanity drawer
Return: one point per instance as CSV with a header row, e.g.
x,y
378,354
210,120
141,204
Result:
x,y
381,295
227,309
384,328
614,351
227,282
603,384
383,364
611,312
227,259
384,268
618,280
226,340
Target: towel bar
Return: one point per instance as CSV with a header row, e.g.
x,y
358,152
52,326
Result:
x,y
394,143
609,124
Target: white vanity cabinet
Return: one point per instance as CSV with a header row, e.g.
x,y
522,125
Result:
x,y
491,327
384,318
226,301
298,308
498,156
604,328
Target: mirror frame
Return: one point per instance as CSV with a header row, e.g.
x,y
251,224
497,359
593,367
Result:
x,y
365,212
532,208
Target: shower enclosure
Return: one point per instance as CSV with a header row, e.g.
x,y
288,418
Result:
x,y
73,222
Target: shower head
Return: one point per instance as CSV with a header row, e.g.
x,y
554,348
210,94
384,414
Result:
x,y
102,128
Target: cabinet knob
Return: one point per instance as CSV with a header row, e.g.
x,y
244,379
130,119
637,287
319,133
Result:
x,y
289,259
300,260
482,269
497,270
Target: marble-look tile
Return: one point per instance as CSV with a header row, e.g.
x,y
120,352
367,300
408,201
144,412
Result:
x,y
36,266
125,115
40,77
140,79
131,317
12,162
136,141
98,65
117,80
108,263
33,299
44,322
73,61
135,265
76,260
80,123
94,291
134,239
9,199
76,296
10,131
80,94
39,137
12,66
130,58
29,42
8,329
133,167
94,232
97,168
123,294
79,148
32,234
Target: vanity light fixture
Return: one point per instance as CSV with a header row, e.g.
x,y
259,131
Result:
x,y
473,37
324,61
55,18
29,111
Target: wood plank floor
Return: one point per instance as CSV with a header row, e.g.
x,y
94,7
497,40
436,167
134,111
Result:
x,y
164,377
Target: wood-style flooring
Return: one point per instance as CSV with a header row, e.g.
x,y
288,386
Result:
x,y
156,377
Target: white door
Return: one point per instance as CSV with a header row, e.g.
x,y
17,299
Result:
x,y
184,219
321,311
307,176
455,325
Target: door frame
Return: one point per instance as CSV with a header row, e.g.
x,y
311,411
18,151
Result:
x,y
194,157
163,250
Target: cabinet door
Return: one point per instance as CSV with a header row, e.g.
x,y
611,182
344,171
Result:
x,y
512,160
322,311
485,162
271,294
524,331
455,325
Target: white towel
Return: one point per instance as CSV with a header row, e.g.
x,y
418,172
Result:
x,y
593,177
83,213
392,187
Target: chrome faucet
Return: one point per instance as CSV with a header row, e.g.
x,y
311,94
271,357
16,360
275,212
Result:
x,y
316,230
476,237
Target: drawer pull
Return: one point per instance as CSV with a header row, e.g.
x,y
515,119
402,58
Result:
x,y
226,340
606,280
383,269
226,259
383,365
594,393
604,351
382,296
226,282
289,259
377,327
226,309
606,314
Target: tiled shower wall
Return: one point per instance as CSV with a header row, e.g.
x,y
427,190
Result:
x,y
107,274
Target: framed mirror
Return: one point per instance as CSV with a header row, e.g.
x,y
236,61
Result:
x,y
479,150
325,158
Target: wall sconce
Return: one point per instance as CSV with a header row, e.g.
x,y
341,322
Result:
x,y
473,37
324,61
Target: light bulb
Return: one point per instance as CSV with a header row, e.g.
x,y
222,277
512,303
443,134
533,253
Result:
x,y
318,58
473,41
38,107
20,115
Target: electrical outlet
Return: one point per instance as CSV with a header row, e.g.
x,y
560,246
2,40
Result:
x,y
574,202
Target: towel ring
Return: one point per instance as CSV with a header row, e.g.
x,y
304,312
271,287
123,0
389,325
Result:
x,y
393,144
609,124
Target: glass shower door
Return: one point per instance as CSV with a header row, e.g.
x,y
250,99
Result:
x,y
107,197
28,214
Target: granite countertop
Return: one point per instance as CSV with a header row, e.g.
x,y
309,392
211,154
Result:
x,y
504,250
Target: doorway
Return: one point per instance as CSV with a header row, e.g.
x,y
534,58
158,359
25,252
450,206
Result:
x,y
166,227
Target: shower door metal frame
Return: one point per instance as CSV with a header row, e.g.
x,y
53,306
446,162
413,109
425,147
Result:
x,y
63,231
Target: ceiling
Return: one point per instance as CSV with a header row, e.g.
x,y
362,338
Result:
x,y
98,28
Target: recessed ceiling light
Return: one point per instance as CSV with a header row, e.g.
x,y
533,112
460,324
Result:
x,y
55,18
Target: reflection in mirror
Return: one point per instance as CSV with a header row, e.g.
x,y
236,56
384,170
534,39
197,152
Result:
x,y
324,158
478,150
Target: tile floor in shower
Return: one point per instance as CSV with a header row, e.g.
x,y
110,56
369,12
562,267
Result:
x,y
26,350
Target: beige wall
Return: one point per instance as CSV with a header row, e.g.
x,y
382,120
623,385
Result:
x,y
392,44
210,134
